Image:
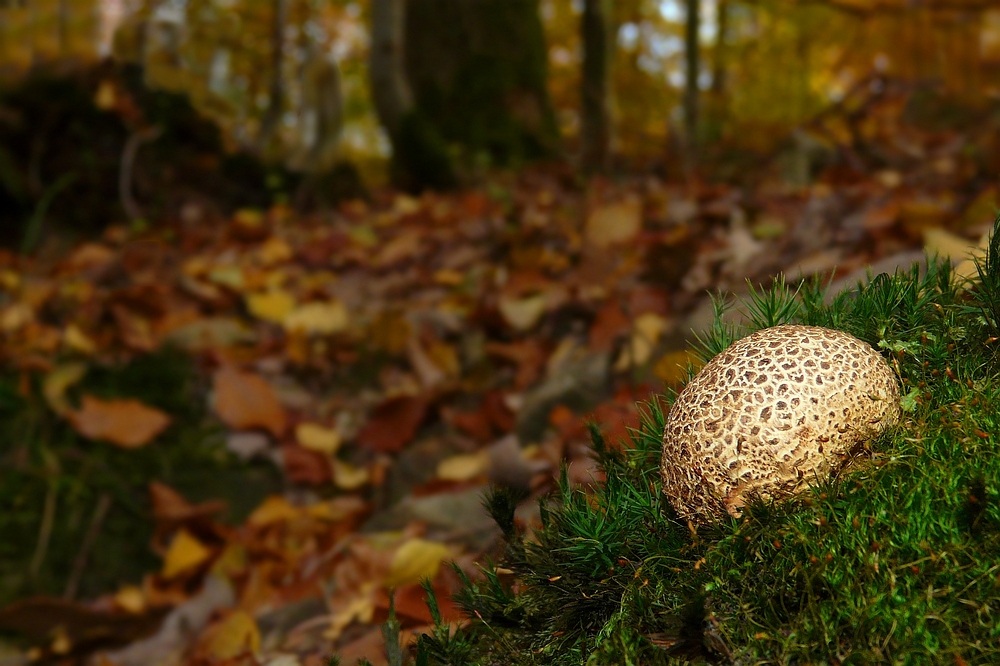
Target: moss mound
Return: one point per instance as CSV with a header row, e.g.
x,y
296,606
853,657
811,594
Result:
x,y
894,561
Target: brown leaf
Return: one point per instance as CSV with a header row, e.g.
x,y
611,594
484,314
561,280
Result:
x,y
82,628
305,466
126,423
394,423
609,324
499,414
243,400
170,506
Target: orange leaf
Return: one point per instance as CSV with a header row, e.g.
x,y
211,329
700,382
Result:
x,y
243,400
127,423
169,506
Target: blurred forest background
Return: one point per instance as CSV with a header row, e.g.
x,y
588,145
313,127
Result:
x,y
342,265
251,101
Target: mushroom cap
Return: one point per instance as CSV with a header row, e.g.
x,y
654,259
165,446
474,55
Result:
x,y
781,408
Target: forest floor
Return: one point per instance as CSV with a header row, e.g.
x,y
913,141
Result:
x,y
294,414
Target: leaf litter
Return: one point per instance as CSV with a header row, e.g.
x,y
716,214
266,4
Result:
x,y
463,327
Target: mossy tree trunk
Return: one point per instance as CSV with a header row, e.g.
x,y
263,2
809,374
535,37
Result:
x,y
478,71
419,153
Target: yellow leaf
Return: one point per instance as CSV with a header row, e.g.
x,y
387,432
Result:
x,y
228,276
963,251
184,554
315,437
672,366
9,280
358,606
275,509
445,357
248,217
615,223
274,251
77,340
57,382
522,313
463,467
271,305
448,277
237,634
646,332
318,318
16,316
415,560
131,599
349,477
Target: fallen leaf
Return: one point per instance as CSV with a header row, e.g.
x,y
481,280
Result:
x,y
273,305
646,332
614,223
609,324
244,400
318,318
349,477
236,634
464,467
78,341
275,509
228,276
672,366
305,466
185,554
58,381
369,646
393,424
961,251
170,507
41,618
126,423
274,251
415,560
315,437
522,314
131,599
15,316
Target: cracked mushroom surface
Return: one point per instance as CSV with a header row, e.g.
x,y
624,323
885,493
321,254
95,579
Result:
x,y
779,409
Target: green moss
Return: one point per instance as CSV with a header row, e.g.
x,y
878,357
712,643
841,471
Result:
x,y
894,561
54,480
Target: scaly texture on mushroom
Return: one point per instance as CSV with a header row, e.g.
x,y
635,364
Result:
x,y
776,410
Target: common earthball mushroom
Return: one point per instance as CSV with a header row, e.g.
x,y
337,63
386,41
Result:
x,y
777,410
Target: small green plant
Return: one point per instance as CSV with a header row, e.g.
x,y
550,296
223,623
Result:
x,y
893,561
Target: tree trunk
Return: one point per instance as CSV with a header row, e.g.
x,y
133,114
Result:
x,y
478,69
719,57
276,95
692,65
420,155
390,89
595,132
